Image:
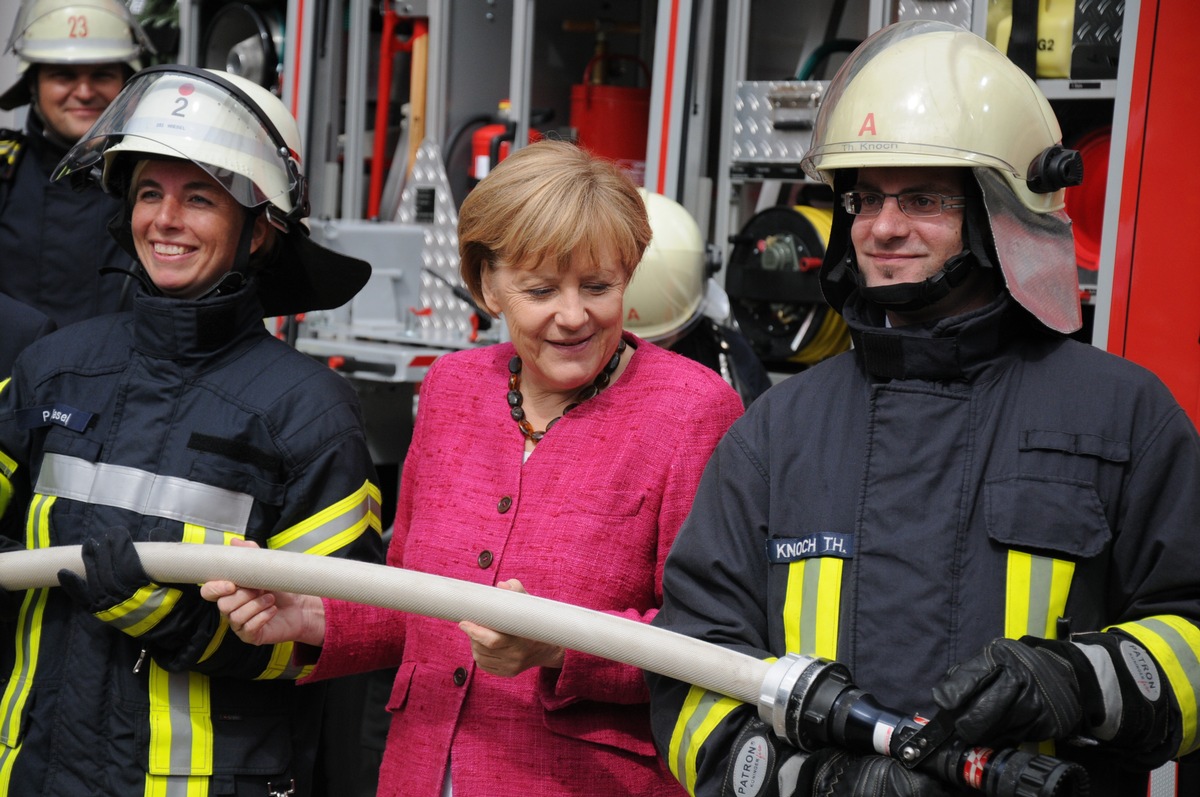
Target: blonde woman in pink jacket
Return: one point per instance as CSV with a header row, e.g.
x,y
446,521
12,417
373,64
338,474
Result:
x,y
561,464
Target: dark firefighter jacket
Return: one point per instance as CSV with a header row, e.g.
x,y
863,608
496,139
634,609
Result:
x,y
20,325
900,505
54,239
179,421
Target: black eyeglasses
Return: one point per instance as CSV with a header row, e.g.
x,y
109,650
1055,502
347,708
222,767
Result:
x,y
917,204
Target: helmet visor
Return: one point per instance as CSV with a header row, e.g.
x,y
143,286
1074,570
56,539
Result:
x,y
193,116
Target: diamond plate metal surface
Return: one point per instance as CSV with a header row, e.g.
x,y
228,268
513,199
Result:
x,y
1097,39
956,12
407,315
773,120
443,319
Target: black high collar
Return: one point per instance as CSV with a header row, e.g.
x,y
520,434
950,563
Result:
x,y
949,350
182,330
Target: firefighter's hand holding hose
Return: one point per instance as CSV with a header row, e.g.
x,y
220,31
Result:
x,y
832,772
851,744
1103,686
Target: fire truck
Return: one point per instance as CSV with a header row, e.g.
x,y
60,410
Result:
x,y
404,105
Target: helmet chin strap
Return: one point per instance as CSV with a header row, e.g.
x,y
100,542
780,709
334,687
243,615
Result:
x,y
911,296
239,274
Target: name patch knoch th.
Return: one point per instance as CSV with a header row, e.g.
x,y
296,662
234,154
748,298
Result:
x,y
821,543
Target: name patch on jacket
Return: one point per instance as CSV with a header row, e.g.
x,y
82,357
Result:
x,y
781,550
54,414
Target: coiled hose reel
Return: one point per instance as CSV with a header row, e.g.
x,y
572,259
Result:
x,y
773,284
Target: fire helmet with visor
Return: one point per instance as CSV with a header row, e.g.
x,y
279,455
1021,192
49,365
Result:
x,y
926,93
72,32
243,137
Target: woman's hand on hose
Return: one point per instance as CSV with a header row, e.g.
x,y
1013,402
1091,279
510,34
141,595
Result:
x,y
507,655
263,617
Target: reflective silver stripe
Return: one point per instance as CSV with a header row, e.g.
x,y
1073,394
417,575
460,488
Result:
x,y
1110,691
155,600
180,697
149,494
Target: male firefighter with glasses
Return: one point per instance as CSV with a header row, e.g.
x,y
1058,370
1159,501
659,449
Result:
x,y
985,520
74,57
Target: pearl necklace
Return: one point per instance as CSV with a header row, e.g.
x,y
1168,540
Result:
x,y
515,399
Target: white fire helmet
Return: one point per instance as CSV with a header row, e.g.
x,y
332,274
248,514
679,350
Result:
x,y
667,290
240,133
926,93
245,138
72,32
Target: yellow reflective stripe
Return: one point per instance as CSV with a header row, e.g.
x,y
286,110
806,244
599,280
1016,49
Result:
x,y
218,638
702,711
1175,645
280,665
27,647
143,610
200,535
334,527
8,467
812,605
181,732
1035,594
9,149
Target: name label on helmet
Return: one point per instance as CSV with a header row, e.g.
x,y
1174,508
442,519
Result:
x,y
54,415
782,550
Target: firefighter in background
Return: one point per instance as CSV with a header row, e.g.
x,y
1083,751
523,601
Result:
x,y
182,420
974,512
673,302
75,55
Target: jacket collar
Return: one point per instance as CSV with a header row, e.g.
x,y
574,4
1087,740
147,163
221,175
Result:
x,y
182,330
949,350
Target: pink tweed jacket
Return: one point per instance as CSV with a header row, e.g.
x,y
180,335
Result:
x,y
588,520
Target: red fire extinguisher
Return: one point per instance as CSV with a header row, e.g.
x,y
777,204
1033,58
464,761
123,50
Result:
x,y
491,143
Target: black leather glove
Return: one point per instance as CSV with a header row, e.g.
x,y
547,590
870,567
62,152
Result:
x,y
117,589
831,772
1015,691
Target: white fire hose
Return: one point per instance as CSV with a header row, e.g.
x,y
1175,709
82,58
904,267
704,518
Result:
x,y
806,700
616,638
